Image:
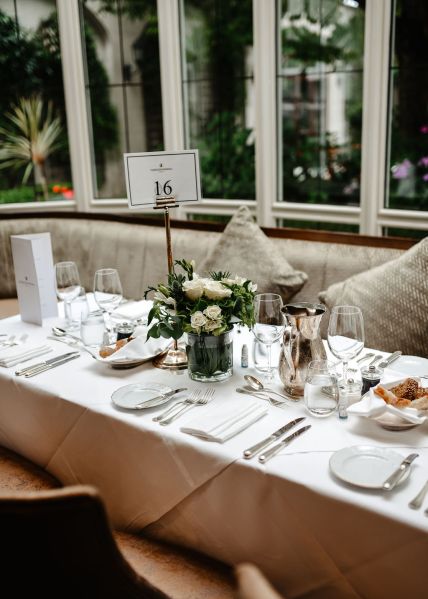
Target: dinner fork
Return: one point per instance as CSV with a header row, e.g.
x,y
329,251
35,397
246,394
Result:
x,y
201,401
190,399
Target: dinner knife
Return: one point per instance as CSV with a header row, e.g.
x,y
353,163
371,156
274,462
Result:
x,y
149,402
276,448
392,480
390,360
252,451
51,361
50,366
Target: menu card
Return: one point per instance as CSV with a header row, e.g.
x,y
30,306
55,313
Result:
x,y
34,275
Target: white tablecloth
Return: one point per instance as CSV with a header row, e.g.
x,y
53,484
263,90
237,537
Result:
x,y
305,529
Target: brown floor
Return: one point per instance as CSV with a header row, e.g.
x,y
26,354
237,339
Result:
x,y
8,307
180,573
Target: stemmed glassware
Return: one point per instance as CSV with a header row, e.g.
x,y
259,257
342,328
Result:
x,y
269,324
107,293
67,284
345,337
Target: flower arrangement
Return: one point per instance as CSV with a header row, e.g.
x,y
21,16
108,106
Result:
x,y
192,304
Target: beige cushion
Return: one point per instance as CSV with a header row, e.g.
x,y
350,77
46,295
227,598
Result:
x,y
244,249
394,300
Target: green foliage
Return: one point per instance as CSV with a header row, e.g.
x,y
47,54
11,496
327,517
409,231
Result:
x,y
188,303
227,159
30,63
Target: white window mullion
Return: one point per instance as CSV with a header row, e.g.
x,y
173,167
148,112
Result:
x,y
75,102
264,40
170,65
375,109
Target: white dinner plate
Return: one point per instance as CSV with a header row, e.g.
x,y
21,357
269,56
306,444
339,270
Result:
x,y
366,466
410,365
140,396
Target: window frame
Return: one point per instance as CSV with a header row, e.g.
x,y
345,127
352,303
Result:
x,y
371,215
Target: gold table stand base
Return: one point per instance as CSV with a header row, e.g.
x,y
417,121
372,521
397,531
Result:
x,y
174,358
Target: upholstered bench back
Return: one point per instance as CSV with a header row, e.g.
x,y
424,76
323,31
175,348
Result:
x,y
139,253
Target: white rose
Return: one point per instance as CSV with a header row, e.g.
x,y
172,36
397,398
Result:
x,y
198,320
212,325
239,280
193,289
213,312
215,290
253,287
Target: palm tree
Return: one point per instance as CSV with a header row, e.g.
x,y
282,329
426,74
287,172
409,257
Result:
x,y
30,139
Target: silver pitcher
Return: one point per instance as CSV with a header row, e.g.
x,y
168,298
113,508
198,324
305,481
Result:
x,y
301,344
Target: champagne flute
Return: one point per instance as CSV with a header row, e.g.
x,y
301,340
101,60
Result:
x,y
269,323
107,293
345,337
67,285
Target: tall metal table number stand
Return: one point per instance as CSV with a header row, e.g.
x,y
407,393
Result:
x,y
175,358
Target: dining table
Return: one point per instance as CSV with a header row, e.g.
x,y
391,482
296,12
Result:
x,y
309,531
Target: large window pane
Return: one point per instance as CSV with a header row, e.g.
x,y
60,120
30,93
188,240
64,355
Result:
x,y
217,38
320,89
34,158
123,86
408,137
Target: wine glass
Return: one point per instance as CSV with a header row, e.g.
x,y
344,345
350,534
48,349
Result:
x,y
67,284
269,324
107,292
345,337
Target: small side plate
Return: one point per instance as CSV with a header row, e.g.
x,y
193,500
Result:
x,y
366,466
141,396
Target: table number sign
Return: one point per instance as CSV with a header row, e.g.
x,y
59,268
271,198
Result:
x,y
151,175
34,275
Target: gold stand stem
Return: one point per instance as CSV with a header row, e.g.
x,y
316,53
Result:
x,y
175,358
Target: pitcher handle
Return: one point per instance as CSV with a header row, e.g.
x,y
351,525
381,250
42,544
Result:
x,y
288,336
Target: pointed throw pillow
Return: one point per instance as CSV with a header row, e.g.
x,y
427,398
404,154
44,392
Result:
x,y
394,300
244,250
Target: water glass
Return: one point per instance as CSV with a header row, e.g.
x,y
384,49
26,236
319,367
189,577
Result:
x,y
321,389
260,356
92,329
108,294
77,309
67,284
269,324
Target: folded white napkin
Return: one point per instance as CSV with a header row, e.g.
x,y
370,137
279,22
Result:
x,y
16,355
133,310
137,349
372,406
220,424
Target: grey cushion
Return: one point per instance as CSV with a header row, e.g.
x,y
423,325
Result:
x,y
244,249
394,300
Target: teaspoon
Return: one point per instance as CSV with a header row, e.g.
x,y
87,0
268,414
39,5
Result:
x,y
258,386
58,332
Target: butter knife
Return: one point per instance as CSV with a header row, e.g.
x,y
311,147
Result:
x,y
46,362
392,480
276,448
50,366
252,451
390,360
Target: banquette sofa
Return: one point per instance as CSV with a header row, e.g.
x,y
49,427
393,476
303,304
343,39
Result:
x,y
387,277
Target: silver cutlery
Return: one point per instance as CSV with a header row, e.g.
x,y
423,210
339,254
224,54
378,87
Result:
x,y
201,401
192,397
41,369
376,359
366,357
277,448
252,451
416,503
257,385
44,363
261,395
392,480
390,360
149,402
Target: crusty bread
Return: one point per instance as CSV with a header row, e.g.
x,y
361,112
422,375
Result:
x,y
407,389
421,403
